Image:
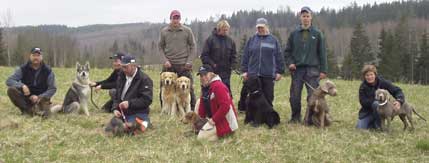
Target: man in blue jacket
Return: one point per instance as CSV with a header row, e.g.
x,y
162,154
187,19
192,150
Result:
x,y
305,55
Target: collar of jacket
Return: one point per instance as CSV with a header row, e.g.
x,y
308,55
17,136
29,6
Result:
x,y
180,28
138,76
310,29
216,78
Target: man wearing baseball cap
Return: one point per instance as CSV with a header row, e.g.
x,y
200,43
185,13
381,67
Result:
x,y
31,84
178,49
305,55
110,82
134,90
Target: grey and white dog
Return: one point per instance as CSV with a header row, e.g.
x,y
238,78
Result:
x,y
387,111
76,99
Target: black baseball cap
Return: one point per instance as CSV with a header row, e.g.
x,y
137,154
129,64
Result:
x,y
118,55
204,69
36,50
128,59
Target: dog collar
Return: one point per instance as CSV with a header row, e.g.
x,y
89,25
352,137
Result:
x,y
384,103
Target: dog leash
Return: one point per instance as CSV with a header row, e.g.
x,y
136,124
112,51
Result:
x,y
306,83
92,99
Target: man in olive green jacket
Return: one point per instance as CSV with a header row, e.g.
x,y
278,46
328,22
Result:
x,y
178,49
305,55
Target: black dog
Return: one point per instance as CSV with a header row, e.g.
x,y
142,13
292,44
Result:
x,y
259,110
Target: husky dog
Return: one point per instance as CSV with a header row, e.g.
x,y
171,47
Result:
x,y
76,99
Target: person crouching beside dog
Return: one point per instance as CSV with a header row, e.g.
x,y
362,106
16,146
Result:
x,y
32,84
110,82
368,116
262,58
134,94
216,105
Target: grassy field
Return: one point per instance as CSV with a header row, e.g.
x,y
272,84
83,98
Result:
x,y
77,138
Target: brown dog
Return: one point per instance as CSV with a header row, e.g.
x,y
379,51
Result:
x,y
195,120
317,107
387,111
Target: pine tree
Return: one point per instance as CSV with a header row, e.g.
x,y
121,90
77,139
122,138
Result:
x,y
361,52
3,58
423,60
243,42
386,62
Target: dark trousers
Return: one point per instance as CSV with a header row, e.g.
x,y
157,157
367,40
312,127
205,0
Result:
x,y
300,76
20,100
25,105
227,81
267,87
108,106
181,71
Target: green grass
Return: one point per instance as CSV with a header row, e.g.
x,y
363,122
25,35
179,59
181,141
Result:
x,y
77,138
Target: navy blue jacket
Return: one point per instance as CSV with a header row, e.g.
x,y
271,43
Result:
x,y
262,56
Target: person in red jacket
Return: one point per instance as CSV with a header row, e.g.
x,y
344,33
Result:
x,y
216,105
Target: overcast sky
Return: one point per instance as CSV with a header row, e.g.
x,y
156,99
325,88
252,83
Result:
x,y
85,12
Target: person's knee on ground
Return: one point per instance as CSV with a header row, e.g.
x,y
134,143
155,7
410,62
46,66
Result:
x,y
18,99
208,132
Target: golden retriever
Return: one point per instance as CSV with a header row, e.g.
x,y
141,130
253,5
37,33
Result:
x,y
168,92
183,96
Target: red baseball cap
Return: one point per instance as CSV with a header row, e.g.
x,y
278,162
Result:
x,y
174,13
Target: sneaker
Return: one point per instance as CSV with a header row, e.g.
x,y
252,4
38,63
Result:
x,y
141,124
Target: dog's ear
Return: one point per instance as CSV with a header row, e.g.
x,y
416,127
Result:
x,y
325,87
87,65
77,66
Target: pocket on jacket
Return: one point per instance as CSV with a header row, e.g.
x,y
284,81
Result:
x,y
313,72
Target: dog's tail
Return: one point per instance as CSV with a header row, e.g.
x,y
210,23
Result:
x,y
56,108
421,117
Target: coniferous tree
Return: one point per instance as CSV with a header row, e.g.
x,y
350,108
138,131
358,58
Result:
x,y
360,49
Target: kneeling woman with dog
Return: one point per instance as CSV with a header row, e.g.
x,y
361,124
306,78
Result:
x,y
368,116
216,105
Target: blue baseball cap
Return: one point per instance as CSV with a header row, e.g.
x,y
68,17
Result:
x,y
204,69
36,50
118,55
128,59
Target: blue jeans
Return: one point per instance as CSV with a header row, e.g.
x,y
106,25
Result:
x,y
370,121
301,74
132,118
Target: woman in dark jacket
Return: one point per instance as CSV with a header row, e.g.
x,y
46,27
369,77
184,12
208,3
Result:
x,y
368,116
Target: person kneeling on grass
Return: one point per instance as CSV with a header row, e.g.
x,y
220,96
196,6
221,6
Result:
x,y
368,116
133,96
216,105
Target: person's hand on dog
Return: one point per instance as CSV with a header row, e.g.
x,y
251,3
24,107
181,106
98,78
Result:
x,y
92,84
292,67
322,75
244,75
97,88
397,105
34,99
117,113
25,90
188,66
278,77
123,105
167,64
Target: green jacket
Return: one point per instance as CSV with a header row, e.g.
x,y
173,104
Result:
x,y
308,53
